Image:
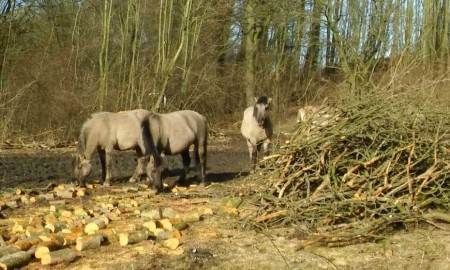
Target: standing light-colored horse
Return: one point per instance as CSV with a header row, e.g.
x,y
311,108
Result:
x,y
173,133
107,131
257,128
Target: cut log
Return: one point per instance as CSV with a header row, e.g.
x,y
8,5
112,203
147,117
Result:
x,y
94,226
89,242
161,234
175,234
169,213
24,199
234,202
165,224
59,256
80,192
15,260
149,225
190,217
65,194
31,231
79,211
47,196
153,214
27,243
172,243
128,238
47,247
109,235
8,250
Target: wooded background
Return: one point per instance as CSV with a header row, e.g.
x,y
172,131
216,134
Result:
x,y
61,60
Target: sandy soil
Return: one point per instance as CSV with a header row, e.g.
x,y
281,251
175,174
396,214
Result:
x,y
217,241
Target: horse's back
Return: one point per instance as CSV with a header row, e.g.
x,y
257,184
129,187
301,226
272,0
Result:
x,y
120,130
177,130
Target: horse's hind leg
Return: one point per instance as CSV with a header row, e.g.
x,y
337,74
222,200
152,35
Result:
x,y
140,168
101,155
200,161
186,162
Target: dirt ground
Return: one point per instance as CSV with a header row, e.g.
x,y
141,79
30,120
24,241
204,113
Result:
x,y
217,241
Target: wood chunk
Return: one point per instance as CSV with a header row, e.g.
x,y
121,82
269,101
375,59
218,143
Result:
x,y
109,234
133,237
164,223
31,231
65,194
172,243
89,242
153,214
94,226
161,234
169,213
149,225
190,217
59,256
234,202
47,196
15,260
27,243
175,234
80,192
47,247
8,250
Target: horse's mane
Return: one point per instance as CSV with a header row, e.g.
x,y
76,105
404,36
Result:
x,y
262,100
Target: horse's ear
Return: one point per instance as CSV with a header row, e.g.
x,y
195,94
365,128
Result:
x,y
256,99
269,100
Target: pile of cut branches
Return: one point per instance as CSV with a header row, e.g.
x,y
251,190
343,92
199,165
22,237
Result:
x,y
382,161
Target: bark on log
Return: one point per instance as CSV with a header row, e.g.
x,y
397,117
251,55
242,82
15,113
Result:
x,y
27,243
133,237
59,256
89,242
15,260
47,247
8,250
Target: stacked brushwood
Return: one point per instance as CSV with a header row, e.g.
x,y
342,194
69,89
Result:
x,y
357,169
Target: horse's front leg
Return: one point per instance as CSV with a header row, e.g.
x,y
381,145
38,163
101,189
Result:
x,y
252,150
186,162
108,164
140,168
266,148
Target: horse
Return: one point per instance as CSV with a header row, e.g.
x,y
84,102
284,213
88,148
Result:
x,y
306,113
107,131
173,133
319,116
257,128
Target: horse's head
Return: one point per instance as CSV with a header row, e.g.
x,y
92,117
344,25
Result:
x,y
261,110
81,168
154,170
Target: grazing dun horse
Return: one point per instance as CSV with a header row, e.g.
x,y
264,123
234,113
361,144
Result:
x,y
173,133
106,131
257,128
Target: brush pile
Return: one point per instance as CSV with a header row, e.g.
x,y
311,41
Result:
x,y
375,162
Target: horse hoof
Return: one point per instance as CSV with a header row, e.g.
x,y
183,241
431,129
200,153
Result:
x,y
132,180
107,184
